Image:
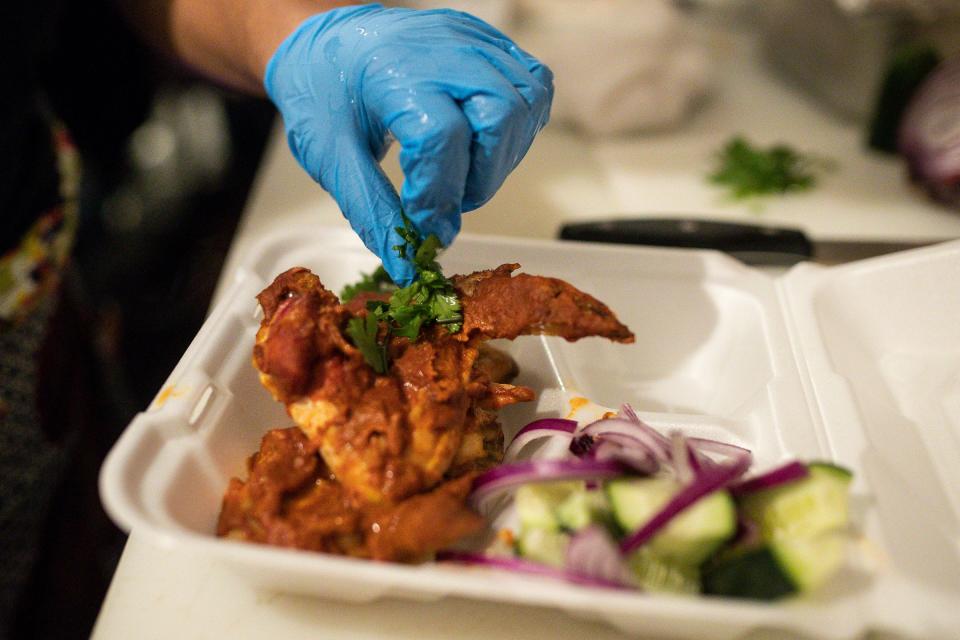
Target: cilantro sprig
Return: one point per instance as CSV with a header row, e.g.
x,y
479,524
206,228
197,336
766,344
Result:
x,y
363,333
429,299
747,170
377,282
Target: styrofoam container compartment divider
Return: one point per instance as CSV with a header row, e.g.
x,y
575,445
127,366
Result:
x,y
858,363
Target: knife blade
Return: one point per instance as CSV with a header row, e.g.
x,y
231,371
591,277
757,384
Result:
x,y
751,243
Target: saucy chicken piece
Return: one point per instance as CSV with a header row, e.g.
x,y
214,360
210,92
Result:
x,y
497,304
388,437
290,499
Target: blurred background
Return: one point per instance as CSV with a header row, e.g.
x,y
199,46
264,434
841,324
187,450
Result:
x,y
169,161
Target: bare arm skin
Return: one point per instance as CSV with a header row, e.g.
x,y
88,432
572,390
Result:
x,y
230,41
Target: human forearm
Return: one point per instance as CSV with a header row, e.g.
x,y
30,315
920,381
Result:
x,y
462,100
227,40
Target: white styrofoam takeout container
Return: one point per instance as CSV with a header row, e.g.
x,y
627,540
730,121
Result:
x,y
858,363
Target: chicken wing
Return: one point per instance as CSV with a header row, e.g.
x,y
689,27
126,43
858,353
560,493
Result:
x,y
290,500
388,437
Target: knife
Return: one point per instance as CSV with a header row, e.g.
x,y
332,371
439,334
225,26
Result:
x,y
753,244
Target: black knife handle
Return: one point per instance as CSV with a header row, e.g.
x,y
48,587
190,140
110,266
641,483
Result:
x,y
732,237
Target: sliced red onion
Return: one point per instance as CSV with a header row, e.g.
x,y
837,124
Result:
x,y
696,460
616,446
584,443
656,443
592,552
638,459
622,439
929,135
508,476
539,429
708,481
555,424
581,445
698,448
681,453
627,412
789,472
525,566
716,446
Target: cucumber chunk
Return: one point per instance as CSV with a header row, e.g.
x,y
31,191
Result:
x,y
775,569
582,508
842,474
689,538
802,526
653,573
753,574
811,561
536,504
546,547
804,508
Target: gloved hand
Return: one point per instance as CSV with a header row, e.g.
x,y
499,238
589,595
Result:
x,y
463,101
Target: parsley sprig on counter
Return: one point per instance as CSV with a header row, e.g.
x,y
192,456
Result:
x,y
747,170
430,299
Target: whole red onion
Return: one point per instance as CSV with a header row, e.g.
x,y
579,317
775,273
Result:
x,y
929,136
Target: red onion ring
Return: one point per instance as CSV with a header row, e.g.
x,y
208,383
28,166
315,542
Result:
x,y
508,476
638,459
681,455
716,446
536,430
652,440
788,472
592,552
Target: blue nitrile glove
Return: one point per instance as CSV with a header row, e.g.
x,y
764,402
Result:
x,y
461,98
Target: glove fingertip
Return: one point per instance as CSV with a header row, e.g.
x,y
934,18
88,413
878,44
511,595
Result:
x,y
475,202
401,271
444,226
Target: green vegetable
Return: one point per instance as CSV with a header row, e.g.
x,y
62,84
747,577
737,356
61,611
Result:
x,y
654,573
802,528
363,332
582,508
748,171
804,508
430,299
537,503
689,538
755,573
776,568
793,538
544,546
378,282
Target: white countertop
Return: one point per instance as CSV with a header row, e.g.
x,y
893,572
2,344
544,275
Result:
x,y
164,593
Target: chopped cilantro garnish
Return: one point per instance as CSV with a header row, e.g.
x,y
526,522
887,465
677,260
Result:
x,y
363,333
378,282
750,171
429,299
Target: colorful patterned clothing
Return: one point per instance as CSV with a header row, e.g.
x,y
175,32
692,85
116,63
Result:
x,y
30,462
